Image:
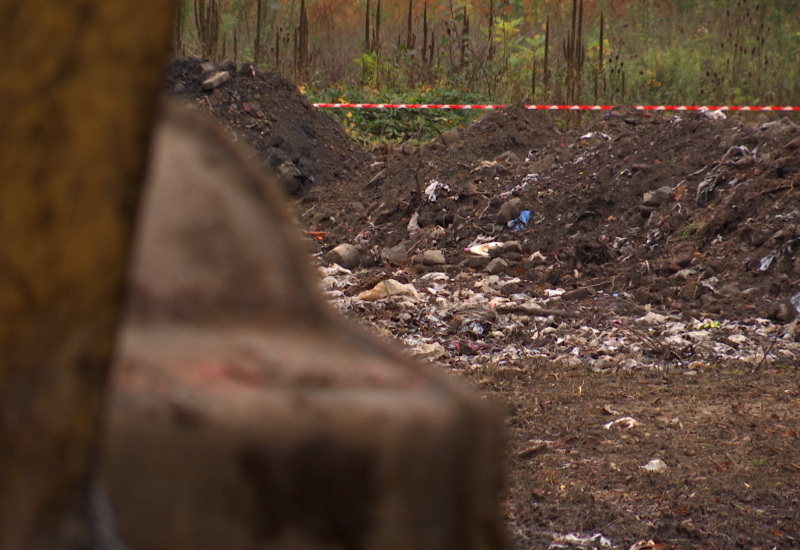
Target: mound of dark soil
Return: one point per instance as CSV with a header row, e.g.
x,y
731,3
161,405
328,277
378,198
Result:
x,y
685,211
267,111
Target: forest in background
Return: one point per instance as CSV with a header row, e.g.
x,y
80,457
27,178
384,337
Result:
x,y
719,52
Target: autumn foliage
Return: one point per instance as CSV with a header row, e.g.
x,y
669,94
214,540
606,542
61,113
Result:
x,y
576,51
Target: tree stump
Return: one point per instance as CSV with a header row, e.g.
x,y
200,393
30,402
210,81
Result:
x,y
246,414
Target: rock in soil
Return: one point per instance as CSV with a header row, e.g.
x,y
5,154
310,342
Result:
x,y
346,255
433,257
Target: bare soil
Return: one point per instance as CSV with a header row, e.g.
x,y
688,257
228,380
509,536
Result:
x,y
674,319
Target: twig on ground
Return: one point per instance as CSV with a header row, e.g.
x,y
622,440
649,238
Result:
x,y
766,353
537,311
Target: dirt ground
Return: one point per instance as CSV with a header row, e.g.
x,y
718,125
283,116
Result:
x,y
639,329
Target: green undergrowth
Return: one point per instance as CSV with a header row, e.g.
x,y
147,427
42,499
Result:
x,y
377,126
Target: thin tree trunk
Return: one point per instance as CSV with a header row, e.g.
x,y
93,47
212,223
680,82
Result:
x,y
259,27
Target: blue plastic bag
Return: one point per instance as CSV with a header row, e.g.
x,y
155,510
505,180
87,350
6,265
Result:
x,y
520,222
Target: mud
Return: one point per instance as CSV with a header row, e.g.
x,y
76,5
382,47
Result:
x,y
656,279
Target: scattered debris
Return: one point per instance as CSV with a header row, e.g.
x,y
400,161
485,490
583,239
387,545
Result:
x,y
624,423
484,249
521,221
388,288
605,305
430,190
582,542
656,465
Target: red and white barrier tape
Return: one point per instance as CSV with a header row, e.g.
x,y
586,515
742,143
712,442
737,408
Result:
x,y
558,107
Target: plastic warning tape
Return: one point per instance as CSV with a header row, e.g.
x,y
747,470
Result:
x,y
402,106
558,107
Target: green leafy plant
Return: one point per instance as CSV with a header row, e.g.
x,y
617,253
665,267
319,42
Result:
x,y
689,230
395,125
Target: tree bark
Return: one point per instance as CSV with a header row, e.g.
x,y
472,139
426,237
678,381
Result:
x,y
79,89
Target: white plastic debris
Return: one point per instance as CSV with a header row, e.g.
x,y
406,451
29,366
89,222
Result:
x,y
387,288
652,319
596,540
483,249
431,351
766,262
430,190
646,545
714,115
437,297
333,270
656,465
795,300
553,292
413,225
537,258
624,423
591,135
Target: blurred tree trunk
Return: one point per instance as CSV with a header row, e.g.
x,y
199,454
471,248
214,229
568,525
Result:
x,y
78,93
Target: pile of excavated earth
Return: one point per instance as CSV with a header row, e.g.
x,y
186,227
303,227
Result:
x,y
641,268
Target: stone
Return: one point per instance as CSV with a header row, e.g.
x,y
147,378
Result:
x,y
781,235
207,67
779,126
450,137
509,156
478,262
397,254
783,312
760,235
505,249
542,164
369,257
684,258
708,300
346,255
578,294
228,65
658,197
729,290
496,266
408,149
216,80
792,332
253,109
247,69
433,257
285,170
435,146
603,175
509,210
793,145
512,256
